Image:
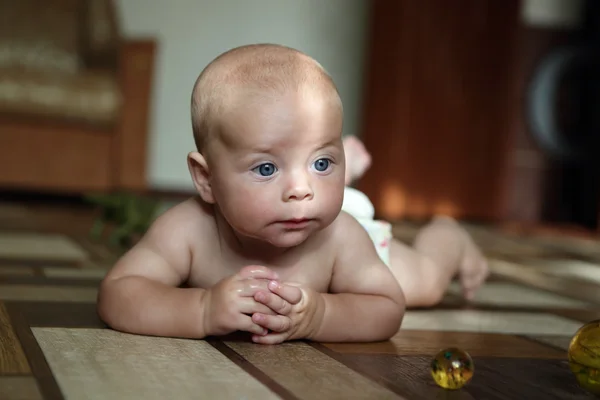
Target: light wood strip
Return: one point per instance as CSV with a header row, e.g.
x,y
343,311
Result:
x,y
86,362
36,247
489,321
510,294
518,272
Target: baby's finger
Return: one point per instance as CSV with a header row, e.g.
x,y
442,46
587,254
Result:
x,y
250,306
249,325
270,338
292,294
274,302
257,272
249,287
275,323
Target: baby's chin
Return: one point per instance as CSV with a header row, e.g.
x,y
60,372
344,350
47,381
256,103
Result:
x,y
289,239
284,239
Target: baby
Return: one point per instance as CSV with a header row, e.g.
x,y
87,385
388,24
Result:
x,y
265,248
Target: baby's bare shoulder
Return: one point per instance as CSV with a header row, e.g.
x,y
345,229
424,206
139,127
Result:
x,y
179,224
346,229
166,250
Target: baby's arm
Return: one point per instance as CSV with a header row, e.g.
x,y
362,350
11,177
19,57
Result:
x,y
366,303
141,294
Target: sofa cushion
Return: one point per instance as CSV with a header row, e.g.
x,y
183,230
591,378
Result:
x,y
89,96
41,34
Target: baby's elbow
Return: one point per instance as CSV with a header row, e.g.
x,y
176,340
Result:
x,y
396,313
105,302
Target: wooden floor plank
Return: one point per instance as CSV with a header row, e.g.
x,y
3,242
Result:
x,y
419,342
34,247
577,289
556,341
489,321
502,294
42,280
16,270
48,293
523,378
580,315
398,373
251,369
308,373
39,366
121,366
495,378
19,388
57,314
12,357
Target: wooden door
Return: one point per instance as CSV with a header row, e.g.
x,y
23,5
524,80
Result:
x,y
439,106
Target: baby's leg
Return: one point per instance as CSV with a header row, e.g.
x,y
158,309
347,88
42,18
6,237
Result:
x,y
422,282
441,250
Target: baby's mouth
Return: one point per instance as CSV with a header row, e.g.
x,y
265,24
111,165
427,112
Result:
x,y
295,223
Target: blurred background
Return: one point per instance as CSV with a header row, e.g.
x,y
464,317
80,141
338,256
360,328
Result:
x,y
484,110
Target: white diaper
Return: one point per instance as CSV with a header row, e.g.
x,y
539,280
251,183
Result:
x,y
360,207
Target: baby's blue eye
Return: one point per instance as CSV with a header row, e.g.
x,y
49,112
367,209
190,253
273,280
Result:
x,y
322,164
266,169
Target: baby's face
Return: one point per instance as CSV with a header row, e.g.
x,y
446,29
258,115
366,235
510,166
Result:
x,y
277,170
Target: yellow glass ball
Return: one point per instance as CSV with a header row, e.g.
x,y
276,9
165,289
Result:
x,y
584,356
452,368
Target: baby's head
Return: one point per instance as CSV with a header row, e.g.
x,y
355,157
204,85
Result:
x,y
267,124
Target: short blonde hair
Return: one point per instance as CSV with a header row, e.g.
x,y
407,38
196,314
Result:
x,y
263,68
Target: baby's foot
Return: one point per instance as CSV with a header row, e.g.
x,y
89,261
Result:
x,y
358,159
473,269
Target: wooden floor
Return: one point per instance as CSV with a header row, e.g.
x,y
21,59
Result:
x,y
53,346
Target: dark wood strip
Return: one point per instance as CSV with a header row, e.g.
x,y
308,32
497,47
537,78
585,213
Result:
x,y
39,366
58,314
19,388
38,272
407,382
558,342
12,357
43,280
573,313
11,270
41,262
307,372
99,252
428,343
522,378
251,369
495,378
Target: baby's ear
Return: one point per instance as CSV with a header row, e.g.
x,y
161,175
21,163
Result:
x,y
201,176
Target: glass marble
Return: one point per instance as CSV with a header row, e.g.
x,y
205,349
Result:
x,y
452,368
584,356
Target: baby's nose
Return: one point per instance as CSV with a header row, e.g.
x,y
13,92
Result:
x,y
299,189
